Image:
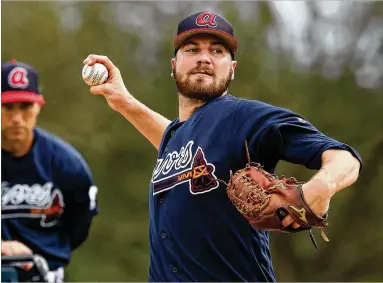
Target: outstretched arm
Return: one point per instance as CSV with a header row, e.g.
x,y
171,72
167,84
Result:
x,y
148,122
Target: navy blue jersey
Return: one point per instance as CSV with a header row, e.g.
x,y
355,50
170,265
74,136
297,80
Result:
x,y
48,198
195,232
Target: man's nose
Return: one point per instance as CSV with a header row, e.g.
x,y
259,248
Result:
x,y
16,117
204,57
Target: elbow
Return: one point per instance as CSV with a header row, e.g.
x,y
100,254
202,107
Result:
x,y
356,166
80,232
345,163
77,240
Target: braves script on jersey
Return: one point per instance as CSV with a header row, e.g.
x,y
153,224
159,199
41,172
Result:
x,y
196,234
47,197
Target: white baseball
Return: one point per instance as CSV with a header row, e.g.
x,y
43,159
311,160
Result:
x,y
95,75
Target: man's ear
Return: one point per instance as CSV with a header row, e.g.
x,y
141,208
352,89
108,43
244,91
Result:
x,y
37,108
233,66
173,63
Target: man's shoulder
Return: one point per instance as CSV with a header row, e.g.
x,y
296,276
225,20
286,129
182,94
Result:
x,y
55,146
245,102
261,107
223,104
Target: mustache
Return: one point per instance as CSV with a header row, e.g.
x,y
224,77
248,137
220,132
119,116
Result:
x,y
204,70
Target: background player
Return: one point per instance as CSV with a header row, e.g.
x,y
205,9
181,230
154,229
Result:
x,y
195,232
48,198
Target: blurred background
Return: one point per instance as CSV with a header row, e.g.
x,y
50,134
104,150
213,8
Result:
x,y
321,59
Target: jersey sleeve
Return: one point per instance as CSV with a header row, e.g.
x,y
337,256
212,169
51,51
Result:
x,y
85,190
81,203
275,133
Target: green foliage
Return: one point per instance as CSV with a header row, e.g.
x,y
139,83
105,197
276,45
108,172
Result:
x,y
122,160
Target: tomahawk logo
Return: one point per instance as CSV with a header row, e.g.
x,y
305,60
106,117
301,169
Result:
x,y
35,201
195,170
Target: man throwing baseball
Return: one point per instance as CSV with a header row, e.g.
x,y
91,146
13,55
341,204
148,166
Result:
x,y
195,232
48,198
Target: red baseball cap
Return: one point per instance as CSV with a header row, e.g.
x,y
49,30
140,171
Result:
x,y
206,22
19,83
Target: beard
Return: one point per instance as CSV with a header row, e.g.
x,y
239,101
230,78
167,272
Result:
x,y
199,89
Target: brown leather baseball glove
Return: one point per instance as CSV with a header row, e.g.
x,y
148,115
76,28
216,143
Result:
x,y
264,199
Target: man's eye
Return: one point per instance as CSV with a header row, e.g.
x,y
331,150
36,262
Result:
x,y
192,50
7,106
26,105
217,51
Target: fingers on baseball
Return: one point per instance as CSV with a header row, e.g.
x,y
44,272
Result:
x,y
93,58
103,89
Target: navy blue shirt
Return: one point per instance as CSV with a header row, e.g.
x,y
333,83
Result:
x,y
195,232
48,198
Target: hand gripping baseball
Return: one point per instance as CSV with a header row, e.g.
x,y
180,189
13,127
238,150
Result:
x,y
113,89
265,200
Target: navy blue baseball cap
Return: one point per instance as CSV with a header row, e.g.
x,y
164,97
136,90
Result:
x,y
206,22
19,83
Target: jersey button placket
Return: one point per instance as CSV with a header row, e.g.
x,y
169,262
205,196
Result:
x,y
171,135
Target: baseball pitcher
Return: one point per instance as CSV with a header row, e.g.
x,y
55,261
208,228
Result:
x,y
213,193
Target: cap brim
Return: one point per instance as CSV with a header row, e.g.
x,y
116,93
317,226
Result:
x,y
230,40
21,96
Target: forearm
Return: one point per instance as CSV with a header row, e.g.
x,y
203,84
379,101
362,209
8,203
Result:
x,y
76,239
339,170
78,230
148,122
